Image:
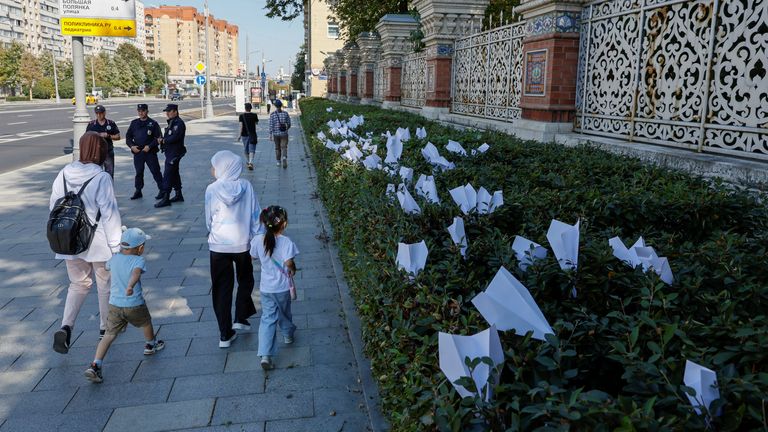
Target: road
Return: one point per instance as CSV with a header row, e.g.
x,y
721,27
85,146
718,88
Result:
x,y
35,133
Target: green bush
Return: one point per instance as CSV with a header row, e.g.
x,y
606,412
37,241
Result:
x,y
17,98
618,356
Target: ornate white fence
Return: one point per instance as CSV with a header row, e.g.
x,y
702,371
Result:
x,y
413,81
378,82
685,73
487,73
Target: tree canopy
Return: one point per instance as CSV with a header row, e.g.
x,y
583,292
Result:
x,y
297,79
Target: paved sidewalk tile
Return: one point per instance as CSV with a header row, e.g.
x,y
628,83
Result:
x,y
192,384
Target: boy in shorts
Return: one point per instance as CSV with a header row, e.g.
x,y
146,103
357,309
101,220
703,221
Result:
x,y
126,301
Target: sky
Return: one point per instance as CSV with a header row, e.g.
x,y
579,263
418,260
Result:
x,y
280,40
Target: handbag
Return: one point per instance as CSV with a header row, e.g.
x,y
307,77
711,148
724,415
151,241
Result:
x,y
282,126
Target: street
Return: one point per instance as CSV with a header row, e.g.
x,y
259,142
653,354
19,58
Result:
x,y
34,133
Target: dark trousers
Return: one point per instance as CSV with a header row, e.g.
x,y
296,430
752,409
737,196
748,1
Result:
x,y
171,176
149,159
109,163
222,284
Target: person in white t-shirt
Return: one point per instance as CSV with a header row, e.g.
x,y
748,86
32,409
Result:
x,y
276,253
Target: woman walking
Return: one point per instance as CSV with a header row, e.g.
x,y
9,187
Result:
x,y
279,123
98,196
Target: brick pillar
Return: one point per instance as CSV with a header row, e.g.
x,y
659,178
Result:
x,y
352,64
368,87
343,84
370,49
395,32
550,61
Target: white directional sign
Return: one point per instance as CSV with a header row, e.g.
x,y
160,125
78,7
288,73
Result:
x,y
200,79
116,18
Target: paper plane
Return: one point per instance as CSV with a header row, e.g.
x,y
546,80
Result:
x,y
459,237
651,261
628,255
508,305
406,201
432,156
321,136
527,251
353,154
391,192
704,381
455,147
329,109
403,134
465,197
421,133
394,150
425,187
372,162
482,149
488,204
412,257
564,240
406,174
455,349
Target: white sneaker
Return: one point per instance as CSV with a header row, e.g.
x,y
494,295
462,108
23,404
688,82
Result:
x,y
241,326
266,363
228,342
278,163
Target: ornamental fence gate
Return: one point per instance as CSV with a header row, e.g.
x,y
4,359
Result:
x,y
413,81
487,73
685,73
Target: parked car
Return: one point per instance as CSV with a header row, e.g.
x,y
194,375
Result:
x,y
177,97
89,100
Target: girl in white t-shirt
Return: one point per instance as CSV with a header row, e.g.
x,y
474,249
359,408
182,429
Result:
x,y
276,253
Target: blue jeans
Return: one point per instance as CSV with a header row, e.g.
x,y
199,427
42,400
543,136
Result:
x,y
247,146
275,309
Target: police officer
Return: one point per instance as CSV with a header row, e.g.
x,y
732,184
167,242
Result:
x,y
108,131
141,138
172,144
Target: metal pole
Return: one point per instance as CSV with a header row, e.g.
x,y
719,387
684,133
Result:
x,y
208,103
81,118
56,78
247,65
167,90
93,77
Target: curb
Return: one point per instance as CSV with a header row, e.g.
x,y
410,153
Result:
x,y
354,330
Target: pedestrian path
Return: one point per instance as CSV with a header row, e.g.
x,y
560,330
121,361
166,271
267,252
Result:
x,y
192,384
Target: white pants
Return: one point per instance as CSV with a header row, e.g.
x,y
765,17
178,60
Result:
x,y
80,282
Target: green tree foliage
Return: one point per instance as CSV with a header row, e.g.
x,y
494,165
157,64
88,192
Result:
x,y
355,17
297,79
130,67
29,71
286,10
10,66
155,72
499,12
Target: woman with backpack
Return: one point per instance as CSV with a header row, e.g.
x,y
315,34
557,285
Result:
x,y
279,123
96,194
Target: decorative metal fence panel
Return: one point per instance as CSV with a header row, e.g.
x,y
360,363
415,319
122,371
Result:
x,y
378,82
487,73
413,81
686,73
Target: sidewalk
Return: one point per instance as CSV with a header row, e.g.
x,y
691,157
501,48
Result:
x,y
192,384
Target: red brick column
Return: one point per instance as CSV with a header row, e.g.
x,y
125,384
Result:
x,y
353,84
439,77
343,83
550,97
392,75
368,88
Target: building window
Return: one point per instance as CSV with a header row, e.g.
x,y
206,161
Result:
x,y
333,30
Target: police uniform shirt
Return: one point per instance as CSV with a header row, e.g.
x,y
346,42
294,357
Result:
x,y
173,140
109,127
143,133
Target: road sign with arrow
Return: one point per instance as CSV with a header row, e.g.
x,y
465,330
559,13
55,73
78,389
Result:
x,y
110,18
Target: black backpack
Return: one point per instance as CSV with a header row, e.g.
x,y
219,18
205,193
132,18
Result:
x,y
69,230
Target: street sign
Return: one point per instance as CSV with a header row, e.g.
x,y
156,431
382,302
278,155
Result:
x,y
263,76
239,98
200,67
109,18
200,80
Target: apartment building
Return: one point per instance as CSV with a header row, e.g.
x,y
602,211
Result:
x,y
176,34
321,38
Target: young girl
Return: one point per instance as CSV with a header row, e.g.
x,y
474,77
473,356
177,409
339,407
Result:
x,y
275,252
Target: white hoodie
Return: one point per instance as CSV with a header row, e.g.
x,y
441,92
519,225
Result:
x,y
231,207
98,195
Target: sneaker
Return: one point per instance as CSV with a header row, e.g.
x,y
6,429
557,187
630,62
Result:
x,y
150,349
245,325
278,163
285,163
93,373
228,342
288,340
101,334
250,166
159,195
266,363
61,340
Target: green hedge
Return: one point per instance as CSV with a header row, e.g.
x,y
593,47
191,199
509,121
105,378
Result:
x,y
619,354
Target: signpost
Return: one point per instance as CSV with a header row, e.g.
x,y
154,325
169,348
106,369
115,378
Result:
x,y
79,18
200,80
239,98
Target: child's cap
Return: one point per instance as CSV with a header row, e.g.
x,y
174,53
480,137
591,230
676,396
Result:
x,y
133,237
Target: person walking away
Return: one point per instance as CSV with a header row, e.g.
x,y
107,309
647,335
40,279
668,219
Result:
x,y
141,138
231,215
86,177
108,131
269,104
126,300
172,144
248,121
276,254
279,124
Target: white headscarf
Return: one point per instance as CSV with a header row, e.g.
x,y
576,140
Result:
x,y
228,186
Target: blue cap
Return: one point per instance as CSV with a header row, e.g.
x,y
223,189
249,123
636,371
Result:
x,y
133,237
100,108
142,107
278,103
171,107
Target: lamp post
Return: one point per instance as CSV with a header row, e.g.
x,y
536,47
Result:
x,y
208,103
81,118
55,78
247,68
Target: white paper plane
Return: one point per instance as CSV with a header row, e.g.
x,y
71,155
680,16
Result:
x,y
394,150
458,235
353,154
465,197
704,381
372,162
406,174
455,349
391,192
430,153
329,109
403,134
488,204
426,187
321,136
412,257
651,261
482,149
421,133
628,255
407,202
455,147
564,240
527,251
508,305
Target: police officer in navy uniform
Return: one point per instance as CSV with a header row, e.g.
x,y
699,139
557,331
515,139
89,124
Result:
x,y
141,138
172,144
108,131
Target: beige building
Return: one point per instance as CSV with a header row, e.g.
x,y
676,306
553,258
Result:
x,y
321,38
176,34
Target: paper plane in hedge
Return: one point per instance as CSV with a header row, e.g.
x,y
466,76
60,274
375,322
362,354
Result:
x,y
564,240
394,150
426,187
482,149
353,154
651,261
527,251
454,350
421,133
458,234
321,136
508,305
403,134
625,254
407,202
704,382
412,257
487,203
480,201
391,192
455,147
406,174
372,162
432,156
329,109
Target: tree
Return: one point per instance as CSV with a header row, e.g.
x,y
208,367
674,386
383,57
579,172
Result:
x,y
130,65
155,72
286,10
10,65
29,71
497,11
297,79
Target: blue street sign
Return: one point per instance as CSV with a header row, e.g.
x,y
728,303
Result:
x,y
263,76
200,79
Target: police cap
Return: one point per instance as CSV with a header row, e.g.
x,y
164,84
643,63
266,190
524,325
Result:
x,y
171,107
100,108
142,107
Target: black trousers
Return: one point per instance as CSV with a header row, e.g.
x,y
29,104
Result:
x,y
224,268
150,160
171,175
109,163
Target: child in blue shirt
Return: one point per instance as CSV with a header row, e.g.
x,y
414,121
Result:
x,y
126,300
